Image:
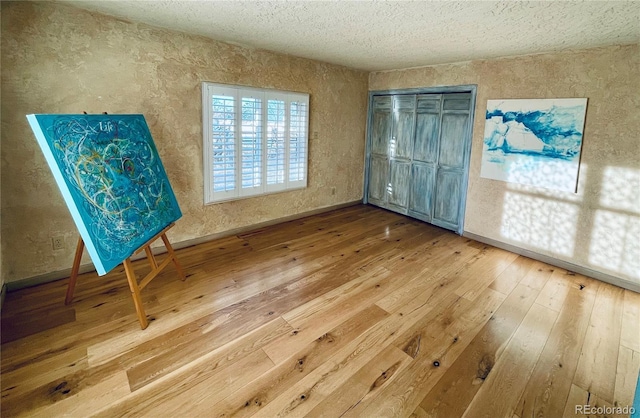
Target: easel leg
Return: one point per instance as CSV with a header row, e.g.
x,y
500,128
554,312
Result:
x,y
131,275
151,257
74,271
135,293
172,254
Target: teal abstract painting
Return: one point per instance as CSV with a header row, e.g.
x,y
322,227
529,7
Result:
x,y
112,180
534,141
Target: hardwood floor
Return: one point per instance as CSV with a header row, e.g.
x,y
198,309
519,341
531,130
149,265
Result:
x,y
356,312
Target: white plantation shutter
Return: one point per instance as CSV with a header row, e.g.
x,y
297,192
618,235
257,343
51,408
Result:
x,y
298,140
276,138
251,143
222,146
255,141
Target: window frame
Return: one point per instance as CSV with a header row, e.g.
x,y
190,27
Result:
x,y
209,90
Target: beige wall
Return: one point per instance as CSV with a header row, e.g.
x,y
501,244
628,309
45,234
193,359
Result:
x,y
58,59
598,227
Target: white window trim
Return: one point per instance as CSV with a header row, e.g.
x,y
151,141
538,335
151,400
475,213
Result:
x,y
238,92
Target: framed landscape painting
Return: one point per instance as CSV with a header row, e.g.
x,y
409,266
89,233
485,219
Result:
x,y
534,141
111,178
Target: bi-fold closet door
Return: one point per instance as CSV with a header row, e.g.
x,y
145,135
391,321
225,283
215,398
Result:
x,y
418,155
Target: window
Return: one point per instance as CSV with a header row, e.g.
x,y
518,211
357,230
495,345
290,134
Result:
x,y
255,141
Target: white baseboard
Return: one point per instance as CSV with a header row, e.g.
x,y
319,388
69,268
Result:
x,y
85,268
585,271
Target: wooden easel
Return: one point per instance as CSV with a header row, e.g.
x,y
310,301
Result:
x,y
131,275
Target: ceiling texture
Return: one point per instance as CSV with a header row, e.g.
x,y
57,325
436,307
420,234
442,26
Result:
x,y
382,35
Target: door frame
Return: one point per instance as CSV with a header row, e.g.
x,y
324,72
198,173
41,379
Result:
x,y
466,88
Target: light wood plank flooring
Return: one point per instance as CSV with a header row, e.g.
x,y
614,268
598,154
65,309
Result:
x,y
355,312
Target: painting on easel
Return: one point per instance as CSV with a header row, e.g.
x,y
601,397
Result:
x,y
111,177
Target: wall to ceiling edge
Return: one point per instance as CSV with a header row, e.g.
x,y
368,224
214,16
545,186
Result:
x,y
597,228
60,59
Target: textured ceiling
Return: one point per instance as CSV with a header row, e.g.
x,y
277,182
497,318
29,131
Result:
x,y
382,35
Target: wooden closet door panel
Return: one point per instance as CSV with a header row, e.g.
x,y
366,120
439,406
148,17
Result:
x,y
399,181
378,180
453,140
448,198
422,187
426,140
425,156
380,132
401,145
382,107
453,160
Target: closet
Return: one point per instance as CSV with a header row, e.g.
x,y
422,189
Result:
x,y
418,150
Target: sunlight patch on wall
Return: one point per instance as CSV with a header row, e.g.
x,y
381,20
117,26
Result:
x,y
621,189
615,243
550,194
615,240
540,222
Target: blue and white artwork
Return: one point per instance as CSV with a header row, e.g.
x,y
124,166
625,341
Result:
x,y
112,180
534,141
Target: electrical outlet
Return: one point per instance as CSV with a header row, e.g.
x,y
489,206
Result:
x,y
333,190
57,243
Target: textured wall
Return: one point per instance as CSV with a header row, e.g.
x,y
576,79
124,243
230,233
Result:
x,y
598,227
58,59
